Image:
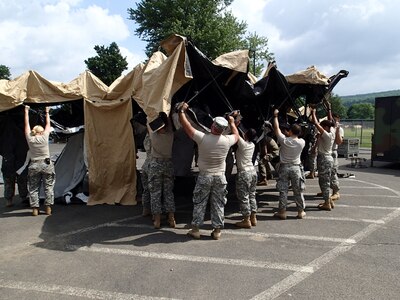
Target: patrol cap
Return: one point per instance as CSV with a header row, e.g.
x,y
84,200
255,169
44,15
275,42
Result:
x,y
220,123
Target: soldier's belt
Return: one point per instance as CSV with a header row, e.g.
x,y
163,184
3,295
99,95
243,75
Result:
x,y
40,160
290,164
45,160
246,169
205,173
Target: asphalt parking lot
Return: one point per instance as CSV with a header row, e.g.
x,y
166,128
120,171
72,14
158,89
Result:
x,y
112,252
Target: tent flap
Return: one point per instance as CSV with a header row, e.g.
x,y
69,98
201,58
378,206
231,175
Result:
x,y
111,153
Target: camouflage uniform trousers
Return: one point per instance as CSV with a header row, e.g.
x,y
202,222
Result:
x,y
9,186
291,174
145,184
311,161
209,187
38,173
325,173
334,177
161,185
246,182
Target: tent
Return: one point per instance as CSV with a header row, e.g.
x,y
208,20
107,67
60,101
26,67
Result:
x,y
185,74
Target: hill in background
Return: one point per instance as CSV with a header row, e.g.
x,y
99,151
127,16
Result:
x,y
367,98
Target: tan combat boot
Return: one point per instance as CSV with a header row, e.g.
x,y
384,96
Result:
x,y
325,205
194,232
281,214
171,220
47,210
253,219
216,233
301,214
35,211
157,221
245,223
331,203
335,196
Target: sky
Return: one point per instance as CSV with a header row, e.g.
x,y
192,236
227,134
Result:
x,y
54,37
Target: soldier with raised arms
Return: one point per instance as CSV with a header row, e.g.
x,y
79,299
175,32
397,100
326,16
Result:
x,y
211,182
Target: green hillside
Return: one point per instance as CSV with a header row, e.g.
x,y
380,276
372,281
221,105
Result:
x,y
367,98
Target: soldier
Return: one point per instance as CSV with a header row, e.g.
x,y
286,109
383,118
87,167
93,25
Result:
x,y
269,154
41,168
246,180
211,182
290,168
324,159
161,174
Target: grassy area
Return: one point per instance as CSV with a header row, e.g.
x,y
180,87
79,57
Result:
x,y
363,134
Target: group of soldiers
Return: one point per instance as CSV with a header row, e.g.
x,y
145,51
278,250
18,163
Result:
x,y
211,183
283,152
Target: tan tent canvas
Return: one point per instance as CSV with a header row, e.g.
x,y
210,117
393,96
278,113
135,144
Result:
x,y
309,76
108,110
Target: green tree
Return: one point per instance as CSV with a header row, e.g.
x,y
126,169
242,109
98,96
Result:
x,y
208,23
338,107
109,64
259,53
361,111
5,72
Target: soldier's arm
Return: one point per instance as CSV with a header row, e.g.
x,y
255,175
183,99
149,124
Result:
x,y
27,127
48,126
234,130
275,123
315,121
187,127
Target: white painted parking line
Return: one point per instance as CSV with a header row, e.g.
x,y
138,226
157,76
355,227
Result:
x,y
344,187
248,233
72,291
369,196
290,236
308,217
367,206
192,258
345,219
297,277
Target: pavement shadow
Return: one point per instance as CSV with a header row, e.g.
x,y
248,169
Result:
x,y
74,226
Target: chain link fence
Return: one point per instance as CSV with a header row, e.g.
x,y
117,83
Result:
x,y
361,129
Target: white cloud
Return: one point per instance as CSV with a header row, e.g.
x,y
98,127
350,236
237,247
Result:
x,y
359,36
55,37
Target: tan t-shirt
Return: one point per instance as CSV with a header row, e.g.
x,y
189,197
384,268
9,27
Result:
x,y
38,146
212,151
325,142
161,144
244,154
290,149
